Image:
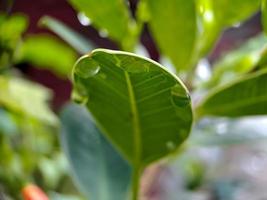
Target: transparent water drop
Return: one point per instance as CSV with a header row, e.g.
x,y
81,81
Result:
x,y
79,94
83,19
170,145
87,67
180,97
103,33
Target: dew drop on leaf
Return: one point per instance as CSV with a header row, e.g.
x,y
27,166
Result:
x,y
87,67
79,94
179,96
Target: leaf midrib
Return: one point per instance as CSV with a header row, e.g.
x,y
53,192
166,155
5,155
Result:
x,y
135,121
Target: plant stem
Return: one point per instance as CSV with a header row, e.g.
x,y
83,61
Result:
x,y
135,183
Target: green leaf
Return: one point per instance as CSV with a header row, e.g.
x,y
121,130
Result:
x,y
214,16
230,12
209,30
98,169
11,29
239,61
111,17
174,25
47,52
26,98
247,96
264,14
74,39
140,106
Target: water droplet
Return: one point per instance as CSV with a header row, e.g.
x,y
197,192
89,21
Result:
x,y
170,145
135,65
180,97
103,33
86,67
79,94
83,19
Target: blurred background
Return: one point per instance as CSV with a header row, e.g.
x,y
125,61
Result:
x,y
226,159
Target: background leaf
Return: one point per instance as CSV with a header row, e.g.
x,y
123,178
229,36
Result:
x,y
47,52
111,17
173,24
247,96
215,16
99,170
141,107
74,39
239,61
26,98
264,14
229,12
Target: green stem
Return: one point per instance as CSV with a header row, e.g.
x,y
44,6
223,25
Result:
x,y
135,183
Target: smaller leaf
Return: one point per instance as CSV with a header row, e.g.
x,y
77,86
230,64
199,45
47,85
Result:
x,y
174,26
47,52
111,17
74,39
11,29
26,98
101,173
230,12
264,14
246,96
239,61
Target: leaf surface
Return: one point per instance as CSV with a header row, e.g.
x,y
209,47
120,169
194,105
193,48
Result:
x,y
110,17
101,173
74,39
246,96
141,107
174,25
47,52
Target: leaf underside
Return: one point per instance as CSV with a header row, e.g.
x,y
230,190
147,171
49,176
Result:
x,y
142,108
101,173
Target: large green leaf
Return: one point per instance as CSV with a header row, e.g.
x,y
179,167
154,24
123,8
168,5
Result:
x,y
247,96
47,52
26,98
98,169
74,39
141,107
111,17
174,26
